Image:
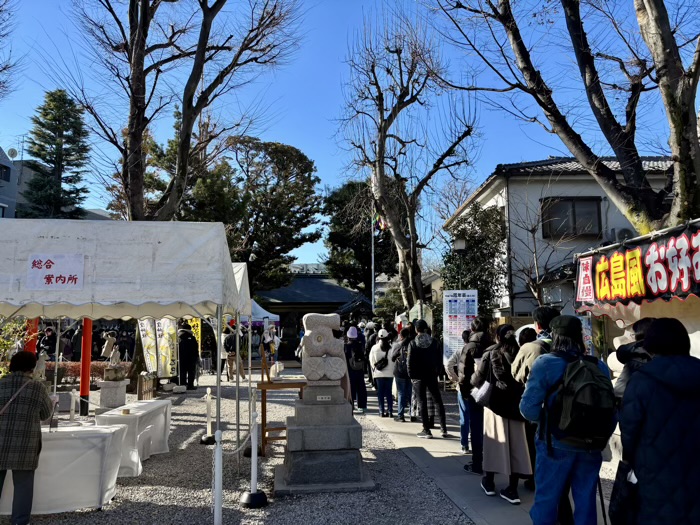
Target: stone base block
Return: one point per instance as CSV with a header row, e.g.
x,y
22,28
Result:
x,y
323,438
114,374
112,393
315,467
323,395
284,488
326,414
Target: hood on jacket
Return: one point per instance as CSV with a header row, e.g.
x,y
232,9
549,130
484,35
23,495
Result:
x,y
681,374
423,340
626,353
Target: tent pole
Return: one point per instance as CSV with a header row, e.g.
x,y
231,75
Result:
x,y
218,450
85,362
58,356
238,380
250,373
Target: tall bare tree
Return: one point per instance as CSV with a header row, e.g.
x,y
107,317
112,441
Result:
x,y
392,93
190,52
618,65
7,64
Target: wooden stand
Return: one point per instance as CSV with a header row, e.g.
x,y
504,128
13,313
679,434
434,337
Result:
x,y
264,368
264,386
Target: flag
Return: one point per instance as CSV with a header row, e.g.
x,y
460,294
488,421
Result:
x,y
379,223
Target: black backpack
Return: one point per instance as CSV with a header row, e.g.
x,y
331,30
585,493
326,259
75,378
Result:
x,y
357,357
401,367
583,408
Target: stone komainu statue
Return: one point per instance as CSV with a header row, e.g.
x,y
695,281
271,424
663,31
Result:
x,y
323,357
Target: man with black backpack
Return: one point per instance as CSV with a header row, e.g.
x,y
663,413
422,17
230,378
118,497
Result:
x,y
570,396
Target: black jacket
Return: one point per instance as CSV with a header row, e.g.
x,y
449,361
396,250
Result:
x,y
473,350
660,425
399,354
48,344
424,358
506,392
634,357
187,347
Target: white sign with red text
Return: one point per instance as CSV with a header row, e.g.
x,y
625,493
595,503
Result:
x,y
55,271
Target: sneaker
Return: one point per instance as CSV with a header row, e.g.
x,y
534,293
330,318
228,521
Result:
x,y
425,434
445,434
473,469
385,414
465,450
489,488
510,495
414,419
400,418
529,484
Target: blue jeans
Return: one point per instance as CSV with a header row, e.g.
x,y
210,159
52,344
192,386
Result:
x,y
404,388
552,473
463,419
358,389
476,425
384,393
23,481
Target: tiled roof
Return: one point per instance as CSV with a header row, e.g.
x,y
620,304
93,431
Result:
x,y
555,166
309,289
569,165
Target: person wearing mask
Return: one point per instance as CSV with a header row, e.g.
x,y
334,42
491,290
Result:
x,y
399,356
660,423
505,444
188,352
479,341
24,403
355,357
561,461
463,389
383,372
633,355
422,369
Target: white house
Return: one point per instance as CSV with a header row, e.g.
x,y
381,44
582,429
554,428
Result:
x,y
552,209
8,186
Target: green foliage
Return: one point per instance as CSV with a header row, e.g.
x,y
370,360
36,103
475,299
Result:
x,y
58,143
389,305
349,239
10,333
482,265
267,199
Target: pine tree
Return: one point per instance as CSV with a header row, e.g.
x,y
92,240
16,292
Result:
x,y
58,143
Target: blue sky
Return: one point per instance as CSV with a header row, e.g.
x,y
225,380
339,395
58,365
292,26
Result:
x,y
302,98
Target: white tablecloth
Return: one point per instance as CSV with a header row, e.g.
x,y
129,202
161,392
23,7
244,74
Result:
x,y
141,441
77,469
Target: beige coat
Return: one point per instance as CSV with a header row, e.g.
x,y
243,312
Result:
x,y
524,359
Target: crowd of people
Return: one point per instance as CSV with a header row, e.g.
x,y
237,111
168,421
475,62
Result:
x,y
539,408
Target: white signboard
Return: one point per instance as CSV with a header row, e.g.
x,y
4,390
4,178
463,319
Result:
x,y
460,307
55,271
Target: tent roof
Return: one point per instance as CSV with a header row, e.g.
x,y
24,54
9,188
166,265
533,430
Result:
x,y
129,269
240,274
259,314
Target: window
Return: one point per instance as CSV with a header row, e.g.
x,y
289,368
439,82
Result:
x,y
570,217
5,173
2,210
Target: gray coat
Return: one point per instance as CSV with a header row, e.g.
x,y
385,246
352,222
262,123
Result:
x,y
20,425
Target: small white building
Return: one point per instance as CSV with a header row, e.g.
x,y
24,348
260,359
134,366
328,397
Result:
x,y
8,186
552,209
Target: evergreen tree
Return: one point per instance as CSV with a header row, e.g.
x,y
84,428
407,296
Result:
x,y
58,143
349,241
481,265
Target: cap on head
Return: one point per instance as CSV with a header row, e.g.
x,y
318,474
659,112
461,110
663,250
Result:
x,y
352,332
383,334
567,325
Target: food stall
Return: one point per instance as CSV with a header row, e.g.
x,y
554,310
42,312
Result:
x,y
655,275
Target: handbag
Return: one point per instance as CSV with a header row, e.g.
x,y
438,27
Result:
x,y
623,507
482,394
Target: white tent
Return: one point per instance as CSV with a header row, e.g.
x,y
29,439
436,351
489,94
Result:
x,y
121,269
114,269
259,314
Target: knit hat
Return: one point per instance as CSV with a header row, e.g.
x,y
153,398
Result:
x,y
566,325
383,334
352,332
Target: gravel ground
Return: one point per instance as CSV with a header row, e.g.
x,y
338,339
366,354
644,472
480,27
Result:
x,y
175,488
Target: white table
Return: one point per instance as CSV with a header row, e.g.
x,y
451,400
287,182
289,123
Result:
x,y
77,469
148,430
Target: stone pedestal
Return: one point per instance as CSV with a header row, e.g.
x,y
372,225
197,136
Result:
x,y
114,373
323,445
112,393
